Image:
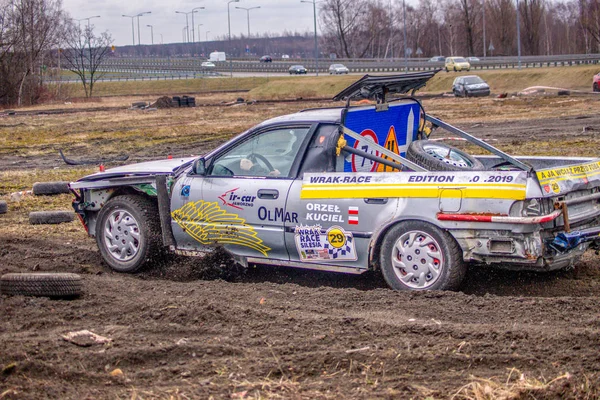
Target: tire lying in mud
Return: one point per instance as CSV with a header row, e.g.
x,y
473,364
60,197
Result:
x,y
55,285
436,156
50,217
3,207
50,188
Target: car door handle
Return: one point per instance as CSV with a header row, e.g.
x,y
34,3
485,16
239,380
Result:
x,y
270,194
376,201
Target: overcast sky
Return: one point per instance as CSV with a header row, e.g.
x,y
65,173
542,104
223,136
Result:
x,y
274,16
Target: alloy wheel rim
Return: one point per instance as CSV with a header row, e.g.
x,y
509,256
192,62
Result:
x,y
417,259
447,156
122,235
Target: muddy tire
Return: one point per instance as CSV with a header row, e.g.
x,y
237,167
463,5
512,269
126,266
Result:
x,y
50,217
3,207
436,156
56,285
416,255
50,188
128,233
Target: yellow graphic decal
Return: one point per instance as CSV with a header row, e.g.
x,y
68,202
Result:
x,y
581,171
209,224
509,192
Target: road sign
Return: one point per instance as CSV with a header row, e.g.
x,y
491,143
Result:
x,y
361,164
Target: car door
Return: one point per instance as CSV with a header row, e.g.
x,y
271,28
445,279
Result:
x,y
239,201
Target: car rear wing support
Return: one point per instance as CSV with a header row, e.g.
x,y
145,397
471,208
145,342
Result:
x,y
439,123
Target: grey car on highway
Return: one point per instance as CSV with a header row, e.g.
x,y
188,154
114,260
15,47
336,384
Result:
x,y
350,189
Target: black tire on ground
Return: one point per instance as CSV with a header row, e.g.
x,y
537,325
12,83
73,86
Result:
x,y
139,104
595,87
128,233
57,285
436,156
417,255
50,188
50,217
3,207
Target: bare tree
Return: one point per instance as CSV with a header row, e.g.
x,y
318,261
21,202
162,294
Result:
x,y
36,27
532,12
470,10
341,20
85,53
501,25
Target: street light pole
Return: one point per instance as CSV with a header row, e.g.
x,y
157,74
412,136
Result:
x,y
484,47
314,3
404,23
248,15
518,36
194,11
151,32
229,35
199,37
88,20
138,20
207,32
132,27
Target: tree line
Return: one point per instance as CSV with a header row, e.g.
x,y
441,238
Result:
x,y
34,35
376,28
38,39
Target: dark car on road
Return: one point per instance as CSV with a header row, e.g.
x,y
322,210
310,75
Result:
x,y
470,85
297,70
266,59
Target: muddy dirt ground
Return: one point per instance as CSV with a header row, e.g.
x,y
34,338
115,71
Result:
x,y
201,329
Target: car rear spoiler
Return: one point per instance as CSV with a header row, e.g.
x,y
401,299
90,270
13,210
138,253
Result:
x,y
377,87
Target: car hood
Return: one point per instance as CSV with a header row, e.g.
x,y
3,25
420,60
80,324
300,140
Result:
x,y
158,167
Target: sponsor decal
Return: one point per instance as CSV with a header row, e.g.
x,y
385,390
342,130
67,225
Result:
x,y
232,199
353,215
315,244
277,214
209,224
509,185
323,213
582,171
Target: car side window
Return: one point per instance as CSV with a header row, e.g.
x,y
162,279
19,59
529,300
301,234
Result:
x,y
267,154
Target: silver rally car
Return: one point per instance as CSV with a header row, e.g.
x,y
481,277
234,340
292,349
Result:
x,y
351,189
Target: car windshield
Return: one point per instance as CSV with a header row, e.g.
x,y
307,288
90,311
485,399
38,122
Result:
x,y
337,66
472,80
459,59
297,66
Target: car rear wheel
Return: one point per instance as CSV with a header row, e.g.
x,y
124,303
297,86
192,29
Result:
x,y
595,87
436,156
416,255
128,233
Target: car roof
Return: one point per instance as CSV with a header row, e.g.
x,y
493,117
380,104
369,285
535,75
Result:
x,y
323,115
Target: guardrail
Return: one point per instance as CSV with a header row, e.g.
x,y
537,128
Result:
x,y
193,65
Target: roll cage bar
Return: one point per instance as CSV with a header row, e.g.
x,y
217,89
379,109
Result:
x,y
378,88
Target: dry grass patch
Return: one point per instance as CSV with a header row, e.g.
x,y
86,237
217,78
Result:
x,y
514,80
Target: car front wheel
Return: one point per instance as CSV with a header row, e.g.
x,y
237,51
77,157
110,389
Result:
x,y
595,87
416,255
128,232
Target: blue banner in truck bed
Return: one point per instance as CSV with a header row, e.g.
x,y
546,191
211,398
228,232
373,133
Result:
x,y
393,129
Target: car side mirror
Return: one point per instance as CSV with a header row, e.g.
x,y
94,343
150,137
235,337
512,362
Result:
x,y
199,167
